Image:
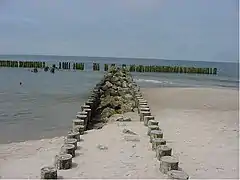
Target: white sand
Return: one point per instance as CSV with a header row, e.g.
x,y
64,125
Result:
x,y
122,159
202,127
200,124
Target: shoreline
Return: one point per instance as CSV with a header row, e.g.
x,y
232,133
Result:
x,y
200,124
59,134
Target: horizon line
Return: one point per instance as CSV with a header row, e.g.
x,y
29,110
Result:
x,y
119,57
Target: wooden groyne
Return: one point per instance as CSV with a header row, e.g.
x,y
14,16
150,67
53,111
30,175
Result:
x,y
97,67
115,94
22,64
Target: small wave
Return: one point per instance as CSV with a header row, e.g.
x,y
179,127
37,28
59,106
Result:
x,y
153,81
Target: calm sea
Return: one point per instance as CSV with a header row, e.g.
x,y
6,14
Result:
x,y
44,105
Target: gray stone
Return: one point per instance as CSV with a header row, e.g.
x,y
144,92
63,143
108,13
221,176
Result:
x,y
177,174
102,147
127,131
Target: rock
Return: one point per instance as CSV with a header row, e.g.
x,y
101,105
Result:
x,y
177,174
132,138
118,83
135,109
98,125
102,147
128,96
127,119
127,131
107,112
107,86
124,84
124,119
48,172
116,117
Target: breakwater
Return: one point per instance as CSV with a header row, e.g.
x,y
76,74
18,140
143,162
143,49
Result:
x,y
97,67
115,94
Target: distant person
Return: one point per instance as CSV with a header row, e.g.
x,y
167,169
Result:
x,y
20,83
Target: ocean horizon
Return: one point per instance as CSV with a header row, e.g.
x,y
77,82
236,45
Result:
x,y
44,105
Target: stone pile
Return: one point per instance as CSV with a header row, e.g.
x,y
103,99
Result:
x,y
117,93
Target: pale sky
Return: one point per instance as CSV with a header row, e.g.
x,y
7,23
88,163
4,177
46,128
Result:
x,y
169,29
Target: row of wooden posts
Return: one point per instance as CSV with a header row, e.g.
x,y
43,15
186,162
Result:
x,y
168,164
96,67
83,121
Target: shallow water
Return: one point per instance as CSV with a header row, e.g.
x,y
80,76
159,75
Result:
x,y
44,105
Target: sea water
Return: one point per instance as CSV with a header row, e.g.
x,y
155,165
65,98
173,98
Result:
x,y
44,105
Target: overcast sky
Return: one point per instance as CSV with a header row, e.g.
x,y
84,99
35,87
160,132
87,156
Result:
x,y
170,29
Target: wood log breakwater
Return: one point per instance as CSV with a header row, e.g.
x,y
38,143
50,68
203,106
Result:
x,y
116,93
97,67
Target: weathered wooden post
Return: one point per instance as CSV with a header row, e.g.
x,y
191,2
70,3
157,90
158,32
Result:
x,y
48,172
155,134
163,150
74,135
157,142
63,161
68,149
150,128
146,119
153,123
168,163
105,67
72,141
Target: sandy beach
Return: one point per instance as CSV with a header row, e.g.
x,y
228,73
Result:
x,y
200,124
202,127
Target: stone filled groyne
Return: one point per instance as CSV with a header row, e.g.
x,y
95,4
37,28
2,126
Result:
x,y
116,93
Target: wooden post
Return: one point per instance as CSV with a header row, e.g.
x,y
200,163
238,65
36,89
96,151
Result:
x,y
157,142
72,141
155,134
150,128
79,129
143,114
74,135
146,119
63,161
48,172
163,150
68,149
168,163
153,123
